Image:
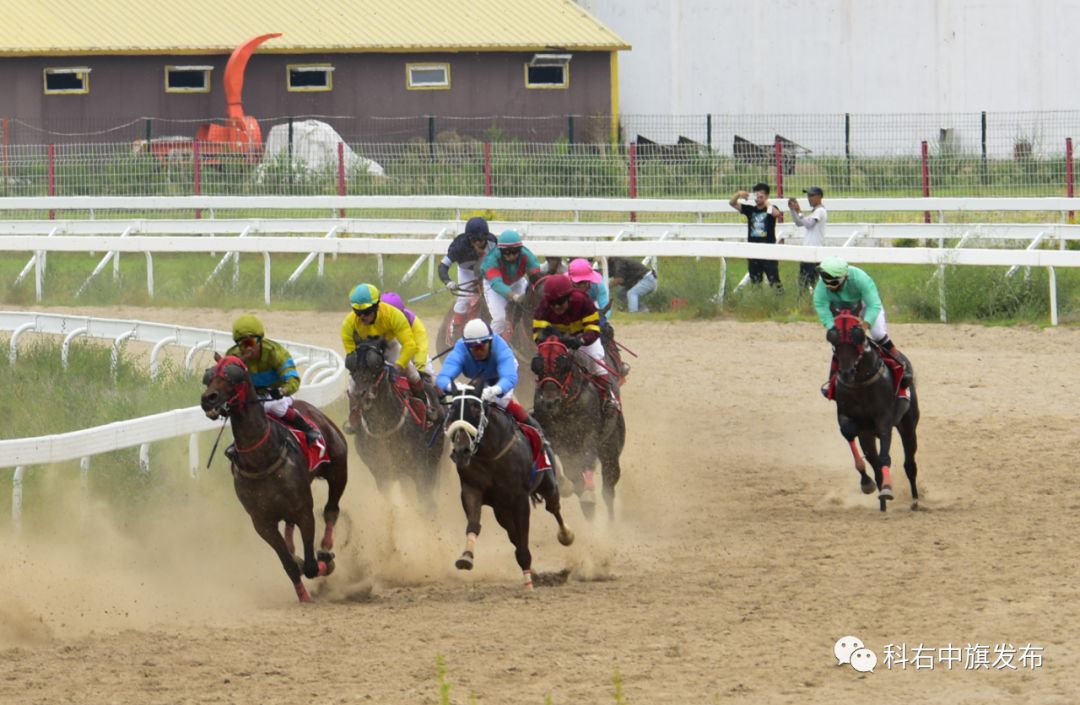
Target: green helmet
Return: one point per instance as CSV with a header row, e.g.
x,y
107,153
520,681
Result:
x,y
510,238
247,326
834,267
363,297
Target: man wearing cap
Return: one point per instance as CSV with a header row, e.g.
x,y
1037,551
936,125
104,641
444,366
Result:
x,y
814,222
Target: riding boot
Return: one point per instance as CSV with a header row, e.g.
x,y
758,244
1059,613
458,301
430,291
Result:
x,y
419,392
826,388
609,394
889,349
522,416
457,322
295,419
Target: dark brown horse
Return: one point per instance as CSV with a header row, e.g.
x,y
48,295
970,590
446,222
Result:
x,y
393,436
494,462
867,408
569,407
270,472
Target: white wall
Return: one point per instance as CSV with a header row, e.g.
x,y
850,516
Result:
x,y
837,56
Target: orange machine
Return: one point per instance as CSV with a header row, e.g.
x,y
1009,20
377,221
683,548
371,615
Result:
x,y
240,135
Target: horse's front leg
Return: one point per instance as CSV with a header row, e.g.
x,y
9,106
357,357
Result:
x,y
306,523
472,499
885,491
268,530
868,441
849,431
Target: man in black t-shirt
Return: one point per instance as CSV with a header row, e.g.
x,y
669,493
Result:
x,y
633,278
760,228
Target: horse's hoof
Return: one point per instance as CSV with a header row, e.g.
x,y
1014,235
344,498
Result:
x,y
311,570
464,563
566,536
867,485
915,505
588,496
886,493
325,568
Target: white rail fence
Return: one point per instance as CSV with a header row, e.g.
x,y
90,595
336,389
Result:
x,y
323,371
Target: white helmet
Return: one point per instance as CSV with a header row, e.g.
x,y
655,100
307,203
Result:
x,y
476,331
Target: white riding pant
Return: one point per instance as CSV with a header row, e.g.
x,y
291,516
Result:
x,y
277,407
465,275
594,355
497,304
393,352
877,329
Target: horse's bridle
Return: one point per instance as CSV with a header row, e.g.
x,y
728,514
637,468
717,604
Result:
x,y
237,400
568,379
475,433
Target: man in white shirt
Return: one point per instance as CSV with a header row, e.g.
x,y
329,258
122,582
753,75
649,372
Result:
x,y
814,222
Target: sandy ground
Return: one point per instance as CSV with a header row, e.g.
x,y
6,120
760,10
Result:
x,y
741,552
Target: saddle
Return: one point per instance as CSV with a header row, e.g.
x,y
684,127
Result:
x,y
316,454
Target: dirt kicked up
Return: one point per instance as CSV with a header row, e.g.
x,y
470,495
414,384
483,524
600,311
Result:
x,y
742,551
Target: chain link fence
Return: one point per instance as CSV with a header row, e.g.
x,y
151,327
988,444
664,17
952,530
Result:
x,y
708,156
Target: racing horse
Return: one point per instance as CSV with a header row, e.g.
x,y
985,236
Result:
x,y
495,464
271,473
570,408
392,432
867,408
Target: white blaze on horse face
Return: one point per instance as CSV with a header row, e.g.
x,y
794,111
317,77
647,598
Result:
x,y
844,647
863,660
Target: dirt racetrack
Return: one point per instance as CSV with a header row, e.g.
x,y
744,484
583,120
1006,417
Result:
x,y
742,551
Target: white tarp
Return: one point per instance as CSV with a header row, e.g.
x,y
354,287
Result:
x,y
315,149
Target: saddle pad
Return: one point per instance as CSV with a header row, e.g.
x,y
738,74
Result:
x,y
540,459
316,455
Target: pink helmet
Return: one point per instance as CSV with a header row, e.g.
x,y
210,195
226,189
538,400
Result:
x,y
581,271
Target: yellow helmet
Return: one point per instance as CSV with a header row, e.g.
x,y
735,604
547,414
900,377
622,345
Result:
x,y
247,326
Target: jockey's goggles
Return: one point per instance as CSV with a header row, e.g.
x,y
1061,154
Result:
x,y
830,281
247,341
477,344
561,301
511,252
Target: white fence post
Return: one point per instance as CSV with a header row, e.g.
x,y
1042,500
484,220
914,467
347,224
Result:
x,y
16,498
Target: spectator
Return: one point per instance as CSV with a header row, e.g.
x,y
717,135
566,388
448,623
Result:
x,y
636,280
554,265
814,222
760,228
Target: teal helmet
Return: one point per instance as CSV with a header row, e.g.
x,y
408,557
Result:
x,y
510,239
364,297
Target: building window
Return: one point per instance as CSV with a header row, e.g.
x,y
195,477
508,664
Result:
x,y
309,77
67,81
187,79
548,71
428,77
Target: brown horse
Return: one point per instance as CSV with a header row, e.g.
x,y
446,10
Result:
x,y
390,428
494,462
867,408
270,472
569,407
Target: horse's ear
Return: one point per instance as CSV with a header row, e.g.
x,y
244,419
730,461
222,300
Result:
x,y
538,365
234,373
217,356
833,336
208,376
858,335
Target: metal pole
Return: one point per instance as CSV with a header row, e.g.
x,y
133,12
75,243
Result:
x,y
570,128
633,178
708,131
985,171
487,168
196,173
289,167
341,174
925,177
847,146
1069,173
51,169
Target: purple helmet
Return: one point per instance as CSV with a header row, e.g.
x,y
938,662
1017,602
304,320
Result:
x,y
394,299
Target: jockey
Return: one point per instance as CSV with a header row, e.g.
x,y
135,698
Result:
x,y
586,279
845,286
273,373
571,315
369,319
479,353
422,358
508,271
467,251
